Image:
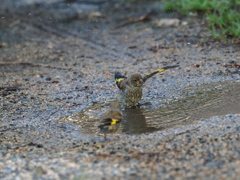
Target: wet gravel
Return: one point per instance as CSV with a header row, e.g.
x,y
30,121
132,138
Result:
x,y
209,149
56,67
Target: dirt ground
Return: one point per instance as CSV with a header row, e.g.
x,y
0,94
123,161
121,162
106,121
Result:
x,y
57,59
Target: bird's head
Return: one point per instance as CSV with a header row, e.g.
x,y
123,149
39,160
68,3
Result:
x,y
136,80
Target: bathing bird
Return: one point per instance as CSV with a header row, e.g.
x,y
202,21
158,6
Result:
x,y
130,88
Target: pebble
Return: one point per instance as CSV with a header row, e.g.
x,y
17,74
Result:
x,y
167,22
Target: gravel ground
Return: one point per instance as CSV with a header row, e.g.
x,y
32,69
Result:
x,y
58,59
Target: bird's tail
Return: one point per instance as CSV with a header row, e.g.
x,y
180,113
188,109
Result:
x,y
118,77
146,77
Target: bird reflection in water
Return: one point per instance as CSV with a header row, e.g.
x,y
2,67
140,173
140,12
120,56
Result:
x,y
134,122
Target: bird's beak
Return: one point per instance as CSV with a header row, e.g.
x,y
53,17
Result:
x,y
140,81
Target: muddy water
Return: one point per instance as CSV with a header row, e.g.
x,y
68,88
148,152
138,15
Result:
x,y
196,103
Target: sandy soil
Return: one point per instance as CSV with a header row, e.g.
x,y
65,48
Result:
x,y
58,59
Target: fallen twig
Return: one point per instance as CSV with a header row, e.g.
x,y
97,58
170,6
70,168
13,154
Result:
x,y
155,48
32,64
3,130
132,155
10,88
232,65
54,113
75,105
187,131
133,20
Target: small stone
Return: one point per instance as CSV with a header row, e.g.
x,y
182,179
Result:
x,y
48,78
231,62
3,44
167,22
184,23
168,146
127,158
201,140
94,14
112,153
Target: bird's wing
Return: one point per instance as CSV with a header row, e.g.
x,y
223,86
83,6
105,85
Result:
x,y
116,114
109,122
120,80
146,77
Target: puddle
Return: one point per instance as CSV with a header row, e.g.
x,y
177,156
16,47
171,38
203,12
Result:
x,y
198,102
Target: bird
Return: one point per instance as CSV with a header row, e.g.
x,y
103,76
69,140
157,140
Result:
x,y
130,88
111,119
